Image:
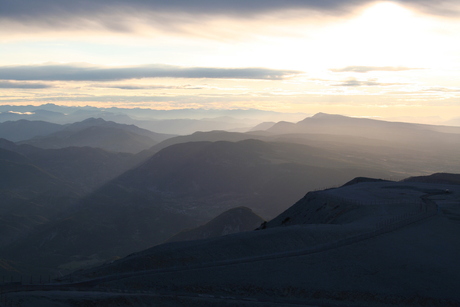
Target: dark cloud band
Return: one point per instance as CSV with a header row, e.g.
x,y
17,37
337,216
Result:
x,y
92,73
56,8
123,16
27,8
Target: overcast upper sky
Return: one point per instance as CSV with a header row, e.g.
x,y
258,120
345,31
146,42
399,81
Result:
x,y
355,57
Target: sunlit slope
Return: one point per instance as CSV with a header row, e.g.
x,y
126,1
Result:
x,y
344,125
404,147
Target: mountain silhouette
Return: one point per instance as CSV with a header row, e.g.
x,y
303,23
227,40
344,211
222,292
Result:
x,y
99,133
24,129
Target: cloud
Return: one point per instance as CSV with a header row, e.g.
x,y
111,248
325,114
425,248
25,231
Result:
x,y
55,8
365,69
63,72
31,8
24,85
123,15
442,89
128,100
446,8
352,82
146,87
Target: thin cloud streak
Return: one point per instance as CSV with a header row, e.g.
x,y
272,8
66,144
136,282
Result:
x,y
365,69
97,73
23,85
445,8
146,87
352,82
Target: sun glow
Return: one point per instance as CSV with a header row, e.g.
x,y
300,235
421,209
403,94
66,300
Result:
x,y
384,34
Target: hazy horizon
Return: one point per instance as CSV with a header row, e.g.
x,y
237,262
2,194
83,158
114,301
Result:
x,y
252,115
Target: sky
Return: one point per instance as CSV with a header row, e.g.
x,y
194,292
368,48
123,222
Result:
x,y
387,59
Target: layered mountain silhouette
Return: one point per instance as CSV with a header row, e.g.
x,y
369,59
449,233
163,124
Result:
x,y
40,186
398,147
176,121
24,129
323,123
409,148
184,186
84,168
100,134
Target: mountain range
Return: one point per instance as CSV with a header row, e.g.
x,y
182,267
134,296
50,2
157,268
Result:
x,y
69,208
91,132
181,121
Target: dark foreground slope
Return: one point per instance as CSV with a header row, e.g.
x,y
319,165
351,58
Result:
x,y
396,247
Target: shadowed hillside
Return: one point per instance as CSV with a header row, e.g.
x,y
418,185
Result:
x,y
396,248
29,196
235,220
84,168
40,186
